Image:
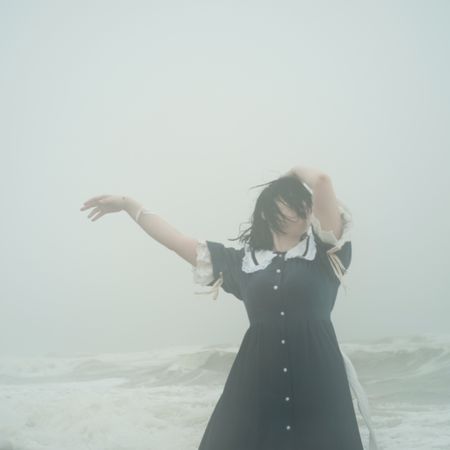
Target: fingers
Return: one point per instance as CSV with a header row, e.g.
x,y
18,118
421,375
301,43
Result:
x,y
93,212
91,202
100,214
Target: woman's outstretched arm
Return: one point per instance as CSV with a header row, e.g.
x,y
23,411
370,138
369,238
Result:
x,y
153,224
162,231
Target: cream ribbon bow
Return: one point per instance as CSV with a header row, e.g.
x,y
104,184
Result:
x,y
214,288
338,267
361,396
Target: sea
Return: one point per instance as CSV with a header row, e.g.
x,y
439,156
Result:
x,y
162,399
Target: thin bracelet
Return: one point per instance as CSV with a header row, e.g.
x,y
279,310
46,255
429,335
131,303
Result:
x,y
139,213
144,210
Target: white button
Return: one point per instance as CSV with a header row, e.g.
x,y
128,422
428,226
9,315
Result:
x,y
275,287
283,341
287,399
284,369
288,427
282,313
278,270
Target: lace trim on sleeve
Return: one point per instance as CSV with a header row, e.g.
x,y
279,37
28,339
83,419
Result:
x,y
329,238
203,270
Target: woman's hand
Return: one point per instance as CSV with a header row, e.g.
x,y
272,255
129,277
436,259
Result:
x,y
289,173
104,204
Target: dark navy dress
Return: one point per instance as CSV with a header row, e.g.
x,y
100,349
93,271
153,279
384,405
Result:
x,y
287,388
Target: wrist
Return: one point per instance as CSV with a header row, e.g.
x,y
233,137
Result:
x,y
130,205
309,176
125,201
289,173
133,208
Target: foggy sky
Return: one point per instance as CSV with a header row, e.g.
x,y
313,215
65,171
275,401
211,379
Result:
x,y
186,105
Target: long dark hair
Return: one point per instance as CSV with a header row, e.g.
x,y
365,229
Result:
x,y
266,215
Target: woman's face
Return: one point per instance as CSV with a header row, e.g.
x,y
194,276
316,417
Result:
x,y
293,223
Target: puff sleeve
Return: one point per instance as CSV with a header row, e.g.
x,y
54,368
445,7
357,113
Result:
x,y
338,251
218,266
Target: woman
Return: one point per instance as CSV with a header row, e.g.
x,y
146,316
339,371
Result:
x,y
289,387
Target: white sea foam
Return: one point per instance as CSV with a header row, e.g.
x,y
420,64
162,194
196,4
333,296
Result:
x,y
162,399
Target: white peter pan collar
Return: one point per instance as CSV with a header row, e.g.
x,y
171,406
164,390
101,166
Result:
x,y
306,249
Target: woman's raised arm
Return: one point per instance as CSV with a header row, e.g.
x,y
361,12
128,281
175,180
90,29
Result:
x,y
153,224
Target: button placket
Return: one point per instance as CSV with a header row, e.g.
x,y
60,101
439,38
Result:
x,y
285,368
